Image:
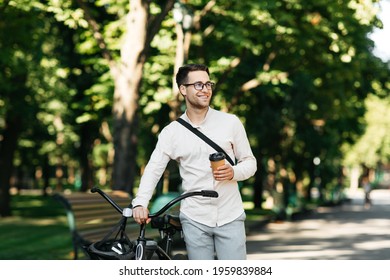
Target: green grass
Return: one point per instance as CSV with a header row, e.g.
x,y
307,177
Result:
x,y
37,230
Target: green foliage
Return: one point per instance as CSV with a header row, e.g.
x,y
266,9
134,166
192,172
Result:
x,y
296,72
374,145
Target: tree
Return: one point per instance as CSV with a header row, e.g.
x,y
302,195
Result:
x,y
373,147
303,66
27,81
298,74
127,72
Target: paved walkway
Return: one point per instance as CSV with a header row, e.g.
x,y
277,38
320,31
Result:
x,y
347,232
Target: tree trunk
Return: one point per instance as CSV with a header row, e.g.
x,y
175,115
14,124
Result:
x,y
46,174
7,150
127,77
87,138
259,185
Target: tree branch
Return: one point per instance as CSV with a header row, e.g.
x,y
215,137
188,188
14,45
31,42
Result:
x,y
253,83
97,34
203,12
155,23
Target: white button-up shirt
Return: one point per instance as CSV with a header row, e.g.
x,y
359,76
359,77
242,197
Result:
x,y
178,143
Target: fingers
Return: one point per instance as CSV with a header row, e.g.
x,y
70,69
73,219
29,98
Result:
x,y
224,173
141,215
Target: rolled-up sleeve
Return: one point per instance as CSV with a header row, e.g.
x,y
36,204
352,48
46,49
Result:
x,y
153,171
246,163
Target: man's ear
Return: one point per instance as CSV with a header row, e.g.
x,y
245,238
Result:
x,y
183,90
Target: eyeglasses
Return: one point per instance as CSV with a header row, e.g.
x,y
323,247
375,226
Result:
x,y
200,85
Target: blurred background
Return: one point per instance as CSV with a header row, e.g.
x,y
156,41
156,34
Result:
x,y
86,87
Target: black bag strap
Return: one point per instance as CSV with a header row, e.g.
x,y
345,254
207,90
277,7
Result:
x,y
206,139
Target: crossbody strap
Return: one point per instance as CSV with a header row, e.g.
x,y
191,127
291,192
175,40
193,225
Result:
x,y
206,139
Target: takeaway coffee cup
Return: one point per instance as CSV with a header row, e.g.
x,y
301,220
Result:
x,y
216,160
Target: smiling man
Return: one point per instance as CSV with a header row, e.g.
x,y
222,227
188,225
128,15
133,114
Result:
x,y
211,225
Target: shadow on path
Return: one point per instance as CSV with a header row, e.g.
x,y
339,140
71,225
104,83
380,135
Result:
x,y
346,232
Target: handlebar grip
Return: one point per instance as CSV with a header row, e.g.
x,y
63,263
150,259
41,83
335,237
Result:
x,y
94,189
207,193
107,198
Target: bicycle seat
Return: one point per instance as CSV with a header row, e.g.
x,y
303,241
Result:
x,y
166,221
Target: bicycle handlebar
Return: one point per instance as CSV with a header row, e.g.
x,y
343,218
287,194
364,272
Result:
x,y
204,193
106,197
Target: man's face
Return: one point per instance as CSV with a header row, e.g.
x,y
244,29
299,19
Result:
x,y
197,99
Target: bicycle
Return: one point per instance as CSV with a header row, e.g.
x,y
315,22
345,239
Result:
x,y
122,248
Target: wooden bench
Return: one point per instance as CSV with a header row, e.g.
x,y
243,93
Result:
x,y
90,217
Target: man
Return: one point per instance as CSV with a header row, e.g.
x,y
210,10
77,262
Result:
x,y
210,225
367,192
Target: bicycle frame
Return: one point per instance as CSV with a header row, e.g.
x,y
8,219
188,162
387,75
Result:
x,y
142,241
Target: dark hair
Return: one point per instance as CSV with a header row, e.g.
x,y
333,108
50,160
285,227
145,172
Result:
x,y
182,74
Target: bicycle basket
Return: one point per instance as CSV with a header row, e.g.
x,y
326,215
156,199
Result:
x,y
112,249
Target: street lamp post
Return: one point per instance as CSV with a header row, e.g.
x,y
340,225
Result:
x,y
183,17
184,20
317,187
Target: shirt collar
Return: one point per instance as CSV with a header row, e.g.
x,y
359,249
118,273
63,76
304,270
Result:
x,y
186,118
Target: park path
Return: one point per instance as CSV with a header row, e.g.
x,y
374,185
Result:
x,y
346,232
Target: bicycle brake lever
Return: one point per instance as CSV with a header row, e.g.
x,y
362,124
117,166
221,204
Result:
x,y
207,193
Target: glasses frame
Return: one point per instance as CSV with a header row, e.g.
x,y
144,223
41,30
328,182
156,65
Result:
x,y
210,87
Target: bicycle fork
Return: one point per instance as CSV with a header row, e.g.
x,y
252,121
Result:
x,y
145,248
141,244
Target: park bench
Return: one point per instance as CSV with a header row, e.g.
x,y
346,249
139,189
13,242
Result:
x,y
90,217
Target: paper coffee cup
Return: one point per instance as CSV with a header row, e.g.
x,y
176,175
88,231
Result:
x,y
216,160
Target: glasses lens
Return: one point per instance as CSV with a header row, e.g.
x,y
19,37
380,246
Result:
x,y
210,85
198,86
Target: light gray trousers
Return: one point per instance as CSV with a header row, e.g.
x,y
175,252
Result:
x,y
227,241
